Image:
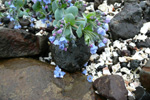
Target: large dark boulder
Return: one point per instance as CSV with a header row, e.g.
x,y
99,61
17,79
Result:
x,y
128,22
28,79
112,87
18,43
74,58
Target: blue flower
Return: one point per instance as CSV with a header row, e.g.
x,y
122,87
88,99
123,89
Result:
x,y
106,27
17,26
11,19
105,40
44,20
69,1
84,72
62,74
9,16
101,44
12,6
34,1
61,46
58,73
32,25
89,78
56,42
63,40
85,64
47,1
51,38
93,49
101,31
107,20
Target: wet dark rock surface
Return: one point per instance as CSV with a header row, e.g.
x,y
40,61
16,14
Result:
x,y
141,94
28,79
74,58
17,43
128,22
112,87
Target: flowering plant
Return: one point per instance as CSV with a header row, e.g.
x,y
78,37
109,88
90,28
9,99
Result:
x,y
69,26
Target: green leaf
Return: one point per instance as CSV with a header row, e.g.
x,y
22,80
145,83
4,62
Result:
x,y
90,14
54,23
19,3
54,6
27,10
59,13
73,10
67,32
6,4
37,6
79,31
69,18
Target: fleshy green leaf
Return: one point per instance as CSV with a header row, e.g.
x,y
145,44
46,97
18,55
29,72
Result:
x,y
54,6
54,23
19,3
73,10
69,18
37,6
90,14
79,31
59,14
67,32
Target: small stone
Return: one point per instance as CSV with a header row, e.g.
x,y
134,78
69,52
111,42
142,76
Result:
x,y
94,56
123,64
53,63
134,64
122,59
125,53
112,87
106,71
126,70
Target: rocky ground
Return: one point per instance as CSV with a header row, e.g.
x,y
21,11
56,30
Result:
x,y
119,71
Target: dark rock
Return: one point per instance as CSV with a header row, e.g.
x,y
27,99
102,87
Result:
x,y
113,1
112,87
134,64
145,77
141,94
28,79
74,58
128,22
142,44
147,14
11,25
17,43
123,64
5,20
148,33
24,22
143,5
115,60
130,98
125,53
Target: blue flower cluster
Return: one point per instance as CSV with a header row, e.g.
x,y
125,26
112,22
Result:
x,y
45,1
101,30
62,42
58,73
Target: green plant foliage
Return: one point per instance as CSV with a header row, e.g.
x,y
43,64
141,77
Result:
x,y
73,10
69,18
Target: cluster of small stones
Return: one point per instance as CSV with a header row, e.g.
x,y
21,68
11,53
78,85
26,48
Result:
x,y
117,58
